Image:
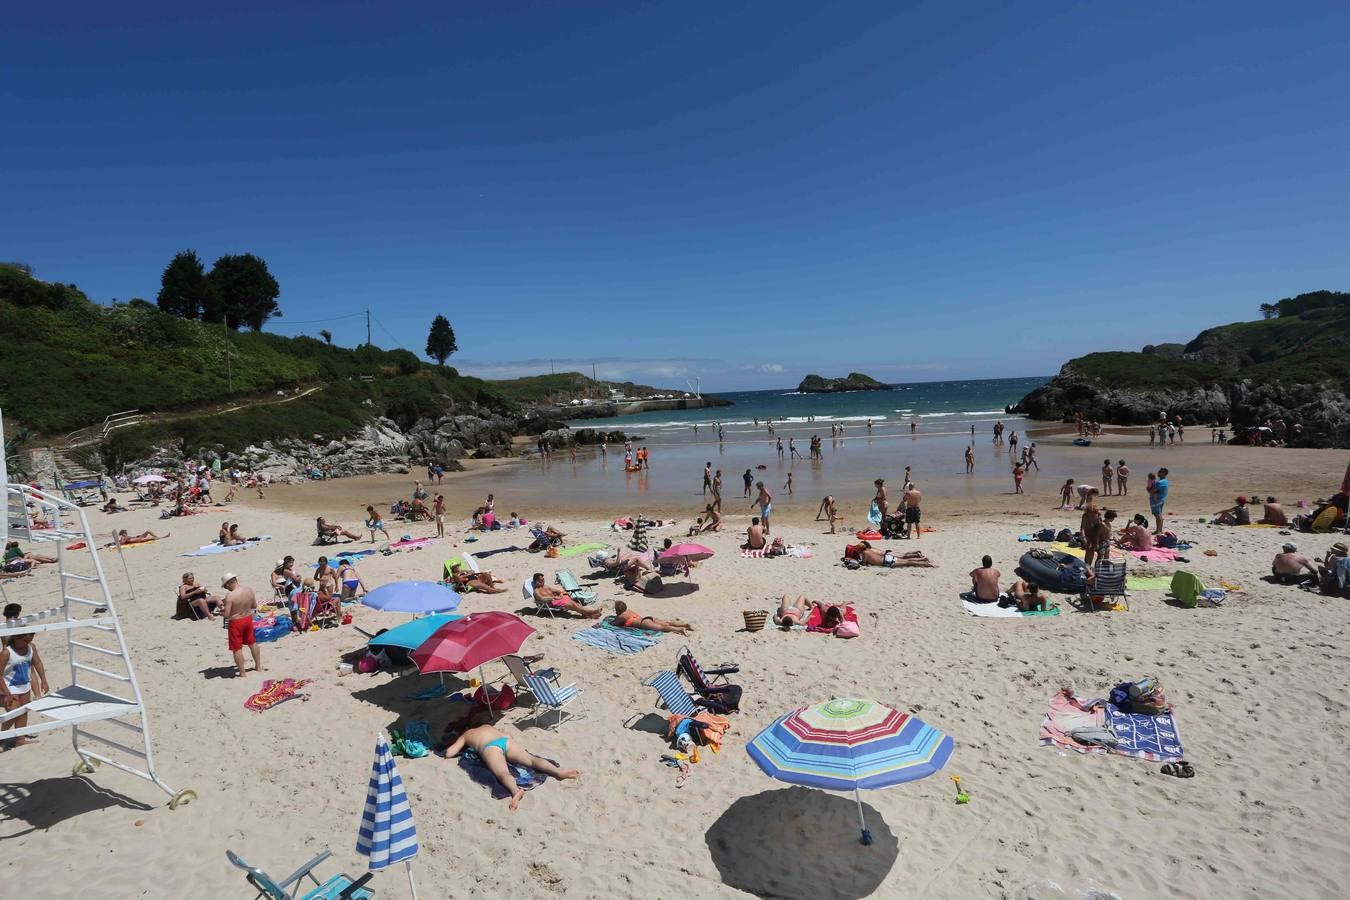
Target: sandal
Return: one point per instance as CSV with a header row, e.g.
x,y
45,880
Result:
x,y
1171,769
1184,770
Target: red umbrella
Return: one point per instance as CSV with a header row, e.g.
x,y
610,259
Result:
x,y
687,553
468,643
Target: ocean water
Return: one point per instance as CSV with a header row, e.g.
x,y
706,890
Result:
x,y
943,413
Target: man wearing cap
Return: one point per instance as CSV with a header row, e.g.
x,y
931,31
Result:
x,y
240,601
1289,565
1235,515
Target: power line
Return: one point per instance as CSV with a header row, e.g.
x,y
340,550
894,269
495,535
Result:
x,y
314,321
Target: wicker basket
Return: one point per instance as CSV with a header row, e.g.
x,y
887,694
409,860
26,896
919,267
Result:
x,y
754,619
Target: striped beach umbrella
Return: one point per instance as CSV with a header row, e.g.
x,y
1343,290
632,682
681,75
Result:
x,y
388,834
639,541
849,744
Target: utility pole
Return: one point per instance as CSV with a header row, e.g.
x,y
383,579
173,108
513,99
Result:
x,y
367,326
592,371
229,373
550,368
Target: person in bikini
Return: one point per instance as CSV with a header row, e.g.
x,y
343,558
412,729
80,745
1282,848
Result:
x,y
828,510
712,520
560,599
145,537
482,582
627,618
1122,478
1029,597
496,750
350,579
791,612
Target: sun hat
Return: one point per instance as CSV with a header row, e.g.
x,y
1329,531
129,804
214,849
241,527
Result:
x,y
1290,548
229,576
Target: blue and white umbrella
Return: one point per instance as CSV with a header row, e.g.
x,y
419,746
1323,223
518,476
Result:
x,y
388,834
419,597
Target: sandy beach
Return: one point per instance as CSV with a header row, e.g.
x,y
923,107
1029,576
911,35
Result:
x,y
1258,685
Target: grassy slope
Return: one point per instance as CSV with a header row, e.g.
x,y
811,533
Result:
x,y
564,386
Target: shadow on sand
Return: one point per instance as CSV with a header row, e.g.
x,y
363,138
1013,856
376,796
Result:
x,y
50,801
801,843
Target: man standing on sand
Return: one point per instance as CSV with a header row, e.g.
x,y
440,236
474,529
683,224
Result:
x,y
707,477
1157,499
496,750
438,512
912,498
240,601
765,502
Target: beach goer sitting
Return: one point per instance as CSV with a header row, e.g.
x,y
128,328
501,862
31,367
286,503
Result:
x,y
1333,575
13,554
791,612
1289,565
333,530
560,599
144,537
1136,535
496,750
112,506
627,618
195,595
984,581
224,537
754,535
1240,514
482,582
1273,513
1028,596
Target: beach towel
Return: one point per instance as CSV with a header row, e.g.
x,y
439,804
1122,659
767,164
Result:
x,y
580,550
276,692
989,610
415,542
1144,737
794,552
214,549
1139,583
874,514
478,772
620,641
1064,716
1155,554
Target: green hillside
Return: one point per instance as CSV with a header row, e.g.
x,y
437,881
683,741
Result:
x,y
565,386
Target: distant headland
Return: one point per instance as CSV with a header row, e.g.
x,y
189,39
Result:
x,y
854,381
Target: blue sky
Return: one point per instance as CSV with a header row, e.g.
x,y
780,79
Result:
x,y
744,192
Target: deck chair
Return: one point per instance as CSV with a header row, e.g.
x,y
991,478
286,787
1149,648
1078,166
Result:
x,y
673,695
542,540
339,887
322,538
725,694
520,670
1108,580
568,582
465,561
546,693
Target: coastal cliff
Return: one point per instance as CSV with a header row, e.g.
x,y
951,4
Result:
x,y
1292,365
854,381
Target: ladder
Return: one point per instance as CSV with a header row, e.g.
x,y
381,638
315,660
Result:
x,y
103,689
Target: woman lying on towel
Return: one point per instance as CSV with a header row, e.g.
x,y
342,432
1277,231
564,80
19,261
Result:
x,y
870,556
626,618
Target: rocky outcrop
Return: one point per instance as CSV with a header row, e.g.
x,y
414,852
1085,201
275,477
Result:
x,y
1322,410
855,381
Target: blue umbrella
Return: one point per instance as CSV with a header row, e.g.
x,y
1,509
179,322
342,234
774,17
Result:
x,y
388,834
412,597
411,635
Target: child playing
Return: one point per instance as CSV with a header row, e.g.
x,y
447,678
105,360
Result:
x,y
787,485
1066,494
18,661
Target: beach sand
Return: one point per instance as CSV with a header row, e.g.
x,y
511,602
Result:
x,y
1259,687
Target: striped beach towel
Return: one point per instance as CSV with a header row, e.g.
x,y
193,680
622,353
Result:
x,y
620,641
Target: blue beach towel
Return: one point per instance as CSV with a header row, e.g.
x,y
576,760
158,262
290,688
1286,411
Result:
x,y
216,549
528,779
621,641
1145,737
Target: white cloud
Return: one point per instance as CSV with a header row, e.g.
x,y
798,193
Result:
x,y
765,368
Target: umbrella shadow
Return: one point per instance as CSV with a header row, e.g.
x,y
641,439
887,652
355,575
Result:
x,y
801,843
683,589
395,694
50,801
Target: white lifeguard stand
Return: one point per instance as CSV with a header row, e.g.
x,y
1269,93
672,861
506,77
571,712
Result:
x,y
103,688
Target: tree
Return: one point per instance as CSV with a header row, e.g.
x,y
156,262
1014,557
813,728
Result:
x,y
1269,310
242,292
441,340
327,336
182,287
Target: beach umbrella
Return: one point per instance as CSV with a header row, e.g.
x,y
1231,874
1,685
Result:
x,y
687,553
411,635
639,541
849,744
149,479
388,834
413,597
471,642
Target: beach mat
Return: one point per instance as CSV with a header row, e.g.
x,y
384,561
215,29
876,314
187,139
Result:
x,y
216,549
619,641
478,772
994,611
580,550
1157,583
1142,737
415,542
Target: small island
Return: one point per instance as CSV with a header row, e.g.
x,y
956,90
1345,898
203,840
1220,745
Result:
x,y
855,381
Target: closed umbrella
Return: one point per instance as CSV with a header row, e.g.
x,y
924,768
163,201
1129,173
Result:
x,y
639,539
413,597
850,744
388,834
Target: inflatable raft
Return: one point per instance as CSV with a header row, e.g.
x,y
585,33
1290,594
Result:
x,y
1053,570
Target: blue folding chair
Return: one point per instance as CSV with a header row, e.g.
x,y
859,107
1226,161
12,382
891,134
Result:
x,y
339,887
546,694
673,694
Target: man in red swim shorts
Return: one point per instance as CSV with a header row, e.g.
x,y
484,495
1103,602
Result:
x,y
239,605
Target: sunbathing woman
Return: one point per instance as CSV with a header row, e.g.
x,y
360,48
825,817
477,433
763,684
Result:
x,y
870,556
13,553
144,537
626,618
482,582
560,599
791,612
496,750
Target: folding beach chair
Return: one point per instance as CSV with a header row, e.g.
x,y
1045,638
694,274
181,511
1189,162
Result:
x,y
547,694
322,538
520,670
339,887
568,582
725,695
673,695
542,540
465,561
1108,580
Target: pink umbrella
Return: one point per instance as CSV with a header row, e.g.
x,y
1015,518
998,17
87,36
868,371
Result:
x,y
468,643
687,553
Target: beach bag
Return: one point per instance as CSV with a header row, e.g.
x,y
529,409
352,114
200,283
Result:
x,y
1045,534
1166,539
650,583
754,619
367,664
494,698
1064,535
847,630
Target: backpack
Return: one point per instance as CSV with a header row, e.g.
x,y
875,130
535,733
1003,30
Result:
x,y
1064,535
1166,539
1045,534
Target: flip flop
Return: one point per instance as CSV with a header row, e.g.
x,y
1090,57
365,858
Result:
x,y
1171,769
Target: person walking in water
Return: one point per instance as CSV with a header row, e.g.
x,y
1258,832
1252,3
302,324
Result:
x,y
749,480
707,477
970,460
793,452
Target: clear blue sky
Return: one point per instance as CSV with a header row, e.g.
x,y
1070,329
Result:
x,y
743,191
